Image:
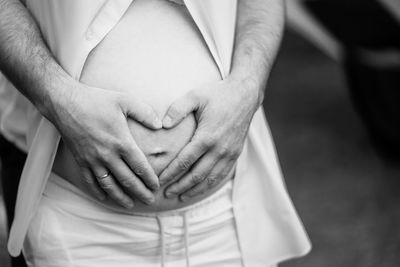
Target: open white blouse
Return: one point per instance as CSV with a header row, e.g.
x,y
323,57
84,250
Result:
x,y
268,227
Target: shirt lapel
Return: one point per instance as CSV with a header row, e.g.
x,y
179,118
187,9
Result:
x,y
216,21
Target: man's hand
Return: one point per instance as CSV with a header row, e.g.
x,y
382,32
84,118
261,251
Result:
x,y
223,111
93,124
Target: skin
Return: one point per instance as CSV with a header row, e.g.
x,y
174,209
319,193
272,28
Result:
x,y
155,38
97,142
224,109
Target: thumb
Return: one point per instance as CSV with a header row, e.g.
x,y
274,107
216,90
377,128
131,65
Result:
x,y
179,109
140,111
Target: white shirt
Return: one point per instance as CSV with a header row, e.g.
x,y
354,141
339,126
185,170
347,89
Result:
x,y
269,229
13,120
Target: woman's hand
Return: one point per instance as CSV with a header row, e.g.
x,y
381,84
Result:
x,y
223,112
93,124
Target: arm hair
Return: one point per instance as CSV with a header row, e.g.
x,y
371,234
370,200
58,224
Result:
x,y
259,31
25,59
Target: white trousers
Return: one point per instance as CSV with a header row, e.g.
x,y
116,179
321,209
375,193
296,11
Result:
x,y
72,229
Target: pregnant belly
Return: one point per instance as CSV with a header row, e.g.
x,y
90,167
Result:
x,y
156,53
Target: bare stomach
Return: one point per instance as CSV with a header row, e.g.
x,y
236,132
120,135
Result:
x,y
156,53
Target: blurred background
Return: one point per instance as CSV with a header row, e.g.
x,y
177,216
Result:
x,y
333,104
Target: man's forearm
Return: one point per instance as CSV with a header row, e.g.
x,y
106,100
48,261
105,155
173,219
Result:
x,y
25,58
258,34
91,121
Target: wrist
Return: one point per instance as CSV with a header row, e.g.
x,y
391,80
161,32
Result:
x,y
59,91
249,88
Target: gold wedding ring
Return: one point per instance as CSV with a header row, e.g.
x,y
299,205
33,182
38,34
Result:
x,y
101,177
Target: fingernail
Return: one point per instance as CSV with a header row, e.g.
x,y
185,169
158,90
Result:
x,y
129,205
163,181
155,187
157,123
167,121
150,200
169,194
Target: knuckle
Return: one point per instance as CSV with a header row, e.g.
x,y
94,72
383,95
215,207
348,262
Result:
x,y
139,169
126,183
105,155
196,178
146,199
212,179
183,163
209,140
124,200
122,147
106,185
194,191
229,153
223,151
88,180
120,198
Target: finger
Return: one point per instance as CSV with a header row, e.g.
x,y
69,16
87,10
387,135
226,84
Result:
x,y
113,190
140,112
131,183
184,161
196,175
179,109
92,184
137,162
221,171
